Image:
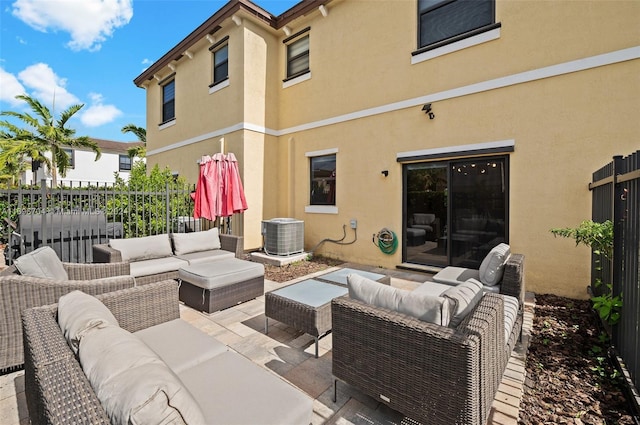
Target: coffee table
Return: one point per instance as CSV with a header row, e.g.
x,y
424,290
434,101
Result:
x,y
306,305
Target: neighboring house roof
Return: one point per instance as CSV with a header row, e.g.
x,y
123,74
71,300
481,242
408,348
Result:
x,y
115,147
211,25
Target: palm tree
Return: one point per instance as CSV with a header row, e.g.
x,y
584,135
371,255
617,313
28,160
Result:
x,y
44,133
11,166
141,134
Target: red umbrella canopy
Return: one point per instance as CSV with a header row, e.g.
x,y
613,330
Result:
x,y
235,199
219,190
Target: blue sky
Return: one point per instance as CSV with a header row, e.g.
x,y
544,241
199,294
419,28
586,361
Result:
x,y
89,51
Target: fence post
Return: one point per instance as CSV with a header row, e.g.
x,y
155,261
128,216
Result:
x,y
167,207
619,208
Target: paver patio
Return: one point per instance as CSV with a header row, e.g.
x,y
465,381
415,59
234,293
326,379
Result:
x,y
290,354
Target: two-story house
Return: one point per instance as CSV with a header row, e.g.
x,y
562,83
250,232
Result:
x,y
455,124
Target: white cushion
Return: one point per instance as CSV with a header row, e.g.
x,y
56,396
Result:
x,y
465,297
144,248
492,266
511,309
422,218
42,262
132,383
455,275
207,256
421,306
184,243
156,265
80,313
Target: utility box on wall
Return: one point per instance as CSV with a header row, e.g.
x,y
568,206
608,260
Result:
x,y
283,236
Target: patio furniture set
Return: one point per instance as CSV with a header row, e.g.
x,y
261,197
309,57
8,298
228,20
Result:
x,y
435,354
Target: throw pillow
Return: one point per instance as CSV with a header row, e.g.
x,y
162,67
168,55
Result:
x,y
465,296
132,383
185,243
492,266
79,313
42,262
421,306
143,248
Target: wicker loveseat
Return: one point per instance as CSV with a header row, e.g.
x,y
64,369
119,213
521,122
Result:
x,y
431,373
19,292
222,385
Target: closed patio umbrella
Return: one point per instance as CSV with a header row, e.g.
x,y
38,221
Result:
x,y
235,199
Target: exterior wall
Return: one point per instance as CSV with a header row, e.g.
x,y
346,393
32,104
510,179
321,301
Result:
x,y
563,93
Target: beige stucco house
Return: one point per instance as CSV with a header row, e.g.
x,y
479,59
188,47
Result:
x,y
456,125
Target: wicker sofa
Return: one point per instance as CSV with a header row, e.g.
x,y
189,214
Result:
x,y
159,257
226,387
431,373
19,292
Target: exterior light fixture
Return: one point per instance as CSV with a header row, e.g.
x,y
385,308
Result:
x,y
385,172
427,110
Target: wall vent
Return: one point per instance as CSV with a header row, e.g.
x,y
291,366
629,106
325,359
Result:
x,y
283,236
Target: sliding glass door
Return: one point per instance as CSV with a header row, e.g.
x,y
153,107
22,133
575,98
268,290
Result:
x,y
455,211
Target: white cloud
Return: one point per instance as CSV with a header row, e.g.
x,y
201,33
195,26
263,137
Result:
x,y
89,22
47,87
98,114
10,87
146,61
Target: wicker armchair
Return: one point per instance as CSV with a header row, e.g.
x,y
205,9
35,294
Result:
x,y
432,374
18,292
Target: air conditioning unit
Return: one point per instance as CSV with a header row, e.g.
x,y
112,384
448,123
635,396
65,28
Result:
x,y
283,236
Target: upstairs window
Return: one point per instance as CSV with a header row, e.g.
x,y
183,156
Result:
x,y
169,101
70,153
323,180
220,62
124,163
297,55
441,20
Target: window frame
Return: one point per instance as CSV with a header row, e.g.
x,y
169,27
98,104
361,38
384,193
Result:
x,y
467,33
331,177
215,49
120,163
291,41
163,85
72,157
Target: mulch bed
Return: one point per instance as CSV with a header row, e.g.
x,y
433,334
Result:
x,y
569,378
298,269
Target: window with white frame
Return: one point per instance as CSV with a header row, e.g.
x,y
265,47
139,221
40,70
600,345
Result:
x,y
297,54
220,52
442,21
71,154
169,101
323,180
124,162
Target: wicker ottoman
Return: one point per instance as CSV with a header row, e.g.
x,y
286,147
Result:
x,y
220,284
416,236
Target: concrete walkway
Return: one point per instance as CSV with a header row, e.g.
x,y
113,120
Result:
x,y
290,354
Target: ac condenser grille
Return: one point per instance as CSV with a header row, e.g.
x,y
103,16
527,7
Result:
x,y
283,236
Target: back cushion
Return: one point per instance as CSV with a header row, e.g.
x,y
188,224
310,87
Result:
x,y
465,297
422,218
492,266
42,262
132,383
144,248
185,243
421,306
80,313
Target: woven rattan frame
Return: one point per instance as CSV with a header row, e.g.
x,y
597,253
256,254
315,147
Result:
x,y
19,292
218,298
56,388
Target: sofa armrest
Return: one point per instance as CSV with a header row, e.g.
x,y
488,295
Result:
x,y
411,365
232,243
513,278
78,271
56,389
103,253
144,306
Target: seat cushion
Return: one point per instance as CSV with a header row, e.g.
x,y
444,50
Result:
x,y
143,248
185,243
233,390
206,256
189,346
156,265
492,266
132,383
465,297
80,313
456,275
511,309
425,307
220,273
42,262
434,289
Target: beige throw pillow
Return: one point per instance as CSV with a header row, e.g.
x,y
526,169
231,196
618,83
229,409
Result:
x,y
421,306
80,313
